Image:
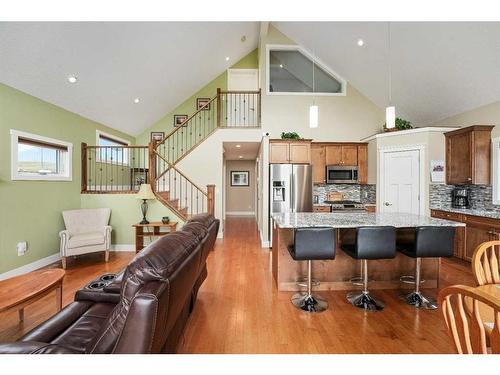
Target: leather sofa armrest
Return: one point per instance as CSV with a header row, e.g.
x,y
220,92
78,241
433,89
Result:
x,y
33,347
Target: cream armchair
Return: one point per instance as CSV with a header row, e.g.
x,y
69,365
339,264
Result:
x,y
87,231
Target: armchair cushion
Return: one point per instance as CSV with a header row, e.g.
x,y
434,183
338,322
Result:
x,y
86,239
86,220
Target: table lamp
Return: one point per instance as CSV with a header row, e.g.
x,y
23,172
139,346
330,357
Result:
x,y
145,193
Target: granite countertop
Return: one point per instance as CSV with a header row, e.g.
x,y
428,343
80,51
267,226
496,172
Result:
x,y
357,219
471,211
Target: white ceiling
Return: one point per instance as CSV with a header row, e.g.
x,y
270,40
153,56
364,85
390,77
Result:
x,y
245,151
162,63
438,69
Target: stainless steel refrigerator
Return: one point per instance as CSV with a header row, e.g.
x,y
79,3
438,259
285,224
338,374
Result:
x,y
291,190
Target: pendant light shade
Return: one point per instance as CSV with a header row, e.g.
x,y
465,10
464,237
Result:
x,y
313,116
390,117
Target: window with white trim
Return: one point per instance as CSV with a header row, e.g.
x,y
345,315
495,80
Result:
x,y
35,157
496,170
112,149
292,70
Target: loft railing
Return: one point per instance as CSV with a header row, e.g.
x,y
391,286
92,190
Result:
x,y
114,169
238,109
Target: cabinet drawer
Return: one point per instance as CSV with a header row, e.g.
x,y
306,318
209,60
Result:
x,y
321,209
447,215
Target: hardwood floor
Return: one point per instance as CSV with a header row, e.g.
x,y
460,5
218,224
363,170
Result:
x,y
239,309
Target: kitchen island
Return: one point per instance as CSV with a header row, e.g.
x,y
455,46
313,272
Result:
x,y
335,274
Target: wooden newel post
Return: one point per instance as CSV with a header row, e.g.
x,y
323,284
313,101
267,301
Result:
x,y
84,167
211,199
152,166
219,108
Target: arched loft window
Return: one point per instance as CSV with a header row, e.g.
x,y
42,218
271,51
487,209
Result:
x,y
290,72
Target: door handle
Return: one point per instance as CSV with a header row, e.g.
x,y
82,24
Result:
x,y
387,204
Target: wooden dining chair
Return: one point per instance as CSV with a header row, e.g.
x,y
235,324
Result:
x,y
485,263
461,306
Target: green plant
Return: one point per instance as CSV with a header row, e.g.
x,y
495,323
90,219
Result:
x,y
400,124
291,135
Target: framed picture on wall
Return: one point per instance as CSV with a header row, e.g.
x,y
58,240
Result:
x,y
180,119
200,102
240,178
157,136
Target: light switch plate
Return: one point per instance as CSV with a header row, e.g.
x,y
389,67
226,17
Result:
x,y
21,248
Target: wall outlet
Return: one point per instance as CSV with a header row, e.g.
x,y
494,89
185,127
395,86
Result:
x,y
22,247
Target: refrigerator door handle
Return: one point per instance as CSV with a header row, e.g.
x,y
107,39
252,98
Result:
x,y
292,190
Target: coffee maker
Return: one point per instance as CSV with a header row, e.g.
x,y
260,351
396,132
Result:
x,y
460,198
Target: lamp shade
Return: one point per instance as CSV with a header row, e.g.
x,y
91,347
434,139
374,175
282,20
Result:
x,y
145,192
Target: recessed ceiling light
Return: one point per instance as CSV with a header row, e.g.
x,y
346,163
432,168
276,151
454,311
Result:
x,y
72,79
281,65
361,42
241,157
137,100
227,58
238,146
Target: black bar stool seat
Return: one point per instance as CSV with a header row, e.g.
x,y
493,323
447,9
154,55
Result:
x,y
312,244
369,243
424,242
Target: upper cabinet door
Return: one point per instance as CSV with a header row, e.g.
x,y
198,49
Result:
x,y
318,160
459,159
363,164
279,152
334,155
349,155
300,153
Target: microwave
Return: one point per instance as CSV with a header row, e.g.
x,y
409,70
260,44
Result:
x,y
336,174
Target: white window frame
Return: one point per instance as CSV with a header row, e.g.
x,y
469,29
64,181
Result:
x,y
318,62
495,173
14,145
98,134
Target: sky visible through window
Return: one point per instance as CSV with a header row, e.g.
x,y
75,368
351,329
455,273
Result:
x,y
37,159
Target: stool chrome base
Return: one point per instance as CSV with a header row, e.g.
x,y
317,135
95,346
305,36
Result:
x,y
364,301
419,301
308,302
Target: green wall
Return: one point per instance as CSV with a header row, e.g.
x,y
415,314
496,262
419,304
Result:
x,y
188,106
31,210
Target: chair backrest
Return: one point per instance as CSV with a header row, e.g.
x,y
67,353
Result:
x,y
315,243
86,220
376,242
485,263
461,310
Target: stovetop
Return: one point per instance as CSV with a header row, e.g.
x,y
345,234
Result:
x,y
342,202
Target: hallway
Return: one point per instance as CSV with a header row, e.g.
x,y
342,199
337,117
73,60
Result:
x,y
240,311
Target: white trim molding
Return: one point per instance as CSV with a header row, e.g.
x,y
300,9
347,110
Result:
x,y
495,173
431,129
422,149
31,266
312,57
122,247
14,145
240,213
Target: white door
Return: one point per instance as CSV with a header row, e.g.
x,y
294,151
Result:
x,y
401,182
241,107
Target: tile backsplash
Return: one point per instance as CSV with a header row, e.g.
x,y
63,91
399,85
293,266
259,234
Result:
x,y
354,192
481,196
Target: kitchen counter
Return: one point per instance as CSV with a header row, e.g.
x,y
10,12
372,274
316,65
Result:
x,y
335,274
356,219
492,214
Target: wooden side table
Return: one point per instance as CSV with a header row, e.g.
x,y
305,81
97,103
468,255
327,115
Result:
x,y
140,233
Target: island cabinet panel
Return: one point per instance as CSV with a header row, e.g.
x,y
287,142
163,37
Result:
x,y
468,155
290,152
318,160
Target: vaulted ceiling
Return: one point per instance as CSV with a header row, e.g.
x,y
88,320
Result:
x,y
438,69
161,63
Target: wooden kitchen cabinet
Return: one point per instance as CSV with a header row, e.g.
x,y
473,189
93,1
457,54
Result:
x,y
322,209
318,160
363,164
342,155
288,152
468,155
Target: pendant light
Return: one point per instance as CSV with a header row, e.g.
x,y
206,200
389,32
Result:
x,y
390,111
313,109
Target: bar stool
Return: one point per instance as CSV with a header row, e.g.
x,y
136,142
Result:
x,y
312,244
370,243
424,242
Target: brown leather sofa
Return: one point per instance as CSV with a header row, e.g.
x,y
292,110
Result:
x,y
144,310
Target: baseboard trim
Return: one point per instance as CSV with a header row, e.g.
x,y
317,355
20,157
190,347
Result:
x,y
240,213
31,266
122,247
